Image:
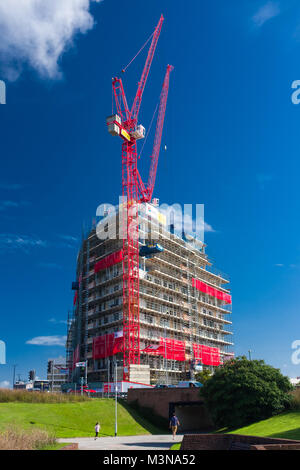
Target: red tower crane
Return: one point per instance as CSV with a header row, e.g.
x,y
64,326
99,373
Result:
x,y
125,124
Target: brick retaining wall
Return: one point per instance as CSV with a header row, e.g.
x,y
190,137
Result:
x,y
70,447
189,406
225,441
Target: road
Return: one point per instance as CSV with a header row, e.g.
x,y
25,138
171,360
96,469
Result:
x,y
147,442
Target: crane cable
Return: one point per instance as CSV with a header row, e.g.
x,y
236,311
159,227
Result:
x,y
149,129
124,70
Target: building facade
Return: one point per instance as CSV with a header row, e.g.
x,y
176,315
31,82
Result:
x,y
184,308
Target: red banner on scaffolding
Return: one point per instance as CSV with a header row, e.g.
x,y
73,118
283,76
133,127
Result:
x,y
168,348
211,291
156,350
107,345
209,356
109,260
173,349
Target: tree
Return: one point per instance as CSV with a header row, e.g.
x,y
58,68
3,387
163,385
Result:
x,y
243,391
203,376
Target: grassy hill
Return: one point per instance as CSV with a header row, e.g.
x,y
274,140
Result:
x,y
285,425
75,419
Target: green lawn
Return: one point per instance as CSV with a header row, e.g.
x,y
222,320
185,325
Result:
x,y
285,425
176,446
75,419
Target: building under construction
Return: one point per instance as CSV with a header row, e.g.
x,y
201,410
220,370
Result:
x,y
184,309
145,294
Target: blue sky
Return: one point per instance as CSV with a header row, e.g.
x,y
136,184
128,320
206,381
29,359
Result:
x,y
231,133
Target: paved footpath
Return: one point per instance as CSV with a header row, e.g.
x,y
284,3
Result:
x,y
147,442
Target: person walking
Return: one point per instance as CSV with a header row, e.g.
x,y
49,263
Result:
x,y
97,429
174,423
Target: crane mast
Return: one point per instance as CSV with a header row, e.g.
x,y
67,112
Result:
x,y
134,192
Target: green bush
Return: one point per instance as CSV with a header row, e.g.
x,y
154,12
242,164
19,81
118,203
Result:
x,y
203,376
242,391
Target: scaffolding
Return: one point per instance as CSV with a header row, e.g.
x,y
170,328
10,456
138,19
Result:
x,y
69,341
86,306
170,306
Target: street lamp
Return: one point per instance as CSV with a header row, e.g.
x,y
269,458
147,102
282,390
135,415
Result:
x,y
116,398
14,376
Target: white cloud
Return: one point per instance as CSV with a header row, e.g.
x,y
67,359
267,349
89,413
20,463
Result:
x,y
265,13
11,242
182,218
69,238
59,359
67,241
13,204
48,341
14,242
280,265
53,320
4,384
208,228
37,33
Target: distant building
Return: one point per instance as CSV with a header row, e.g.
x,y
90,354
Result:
x,y
56,373
20,385
41,385
295,381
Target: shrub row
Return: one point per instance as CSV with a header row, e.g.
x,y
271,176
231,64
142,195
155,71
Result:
x,y
25,396
18,439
